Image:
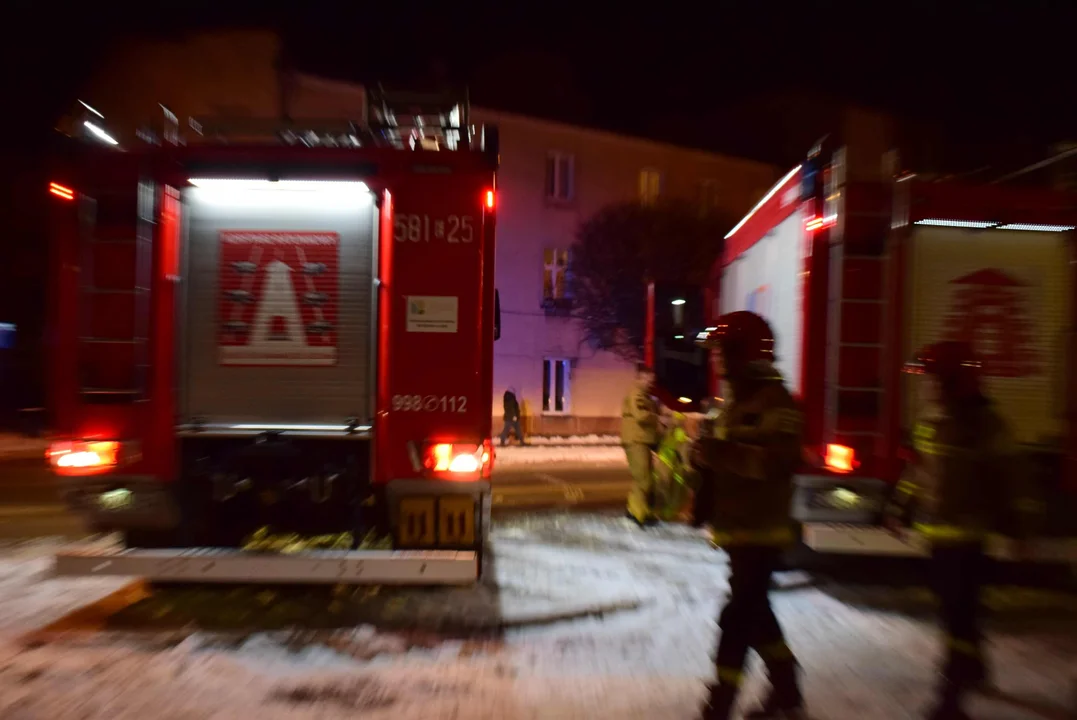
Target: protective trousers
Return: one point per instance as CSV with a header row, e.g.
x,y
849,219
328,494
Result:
x,y
748,621
641,497
959,572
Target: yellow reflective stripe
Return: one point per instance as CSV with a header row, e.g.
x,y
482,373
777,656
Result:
x,y
963,646
771,536
730,676
775,651
907,487
940,449
948,533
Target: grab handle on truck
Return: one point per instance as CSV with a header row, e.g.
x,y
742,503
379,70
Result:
x,y
497,315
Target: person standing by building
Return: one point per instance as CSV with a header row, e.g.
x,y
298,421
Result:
x,y
511,418
746,474
639,436
966,481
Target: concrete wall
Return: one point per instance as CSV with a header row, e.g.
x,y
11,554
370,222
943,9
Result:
x,y
235,74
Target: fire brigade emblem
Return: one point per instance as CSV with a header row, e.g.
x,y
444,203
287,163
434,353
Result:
x,y
278,298
989,308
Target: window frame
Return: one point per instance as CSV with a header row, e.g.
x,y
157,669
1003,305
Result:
x,y
649,195
557,194
550,271
550,366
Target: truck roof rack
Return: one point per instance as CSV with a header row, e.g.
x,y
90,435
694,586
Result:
x,y
404,120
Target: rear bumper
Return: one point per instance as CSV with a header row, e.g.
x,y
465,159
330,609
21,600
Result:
x,y
438,493
211,565
121,502
859,500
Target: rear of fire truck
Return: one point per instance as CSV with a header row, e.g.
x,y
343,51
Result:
x,y
855,274
285,337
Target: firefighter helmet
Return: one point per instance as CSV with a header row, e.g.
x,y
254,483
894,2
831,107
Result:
x,y
953,363
744,338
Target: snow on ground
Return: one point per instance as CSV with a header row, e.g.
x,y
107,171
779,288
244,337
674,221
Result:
x,y
20,447
650,662
574,440
574,455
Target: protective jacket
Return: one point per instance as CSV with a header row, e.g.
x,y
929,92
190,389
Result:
x,y
967,479
748,465
639,419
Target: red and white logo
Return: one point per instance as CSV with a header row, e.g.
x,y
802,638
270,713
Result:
x,y
278,301
990,310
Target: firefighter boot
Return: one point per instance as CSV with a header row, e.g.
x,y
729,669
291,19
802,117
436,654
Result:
x,y
949,708
720,702
785,701
951,695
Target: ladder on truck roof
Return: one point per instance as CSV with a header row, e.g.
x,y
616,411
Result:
x,y
399,119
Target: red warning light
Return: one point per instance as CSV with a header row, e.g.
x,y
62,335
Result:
x,y
820,223
490,200
61,191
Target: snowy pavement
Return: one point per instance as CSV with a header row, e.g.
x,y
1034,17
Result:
x,y
647,656
580,455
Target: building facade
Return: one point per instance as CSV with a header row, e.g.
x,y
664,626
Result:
x,y
553,177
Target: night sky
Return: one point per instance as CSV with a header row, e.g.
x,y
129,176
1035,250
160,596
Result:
x,y
999,72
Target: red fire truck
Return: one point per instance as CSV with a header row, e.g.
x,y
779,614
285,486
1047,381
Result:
x,y
294,332
855,273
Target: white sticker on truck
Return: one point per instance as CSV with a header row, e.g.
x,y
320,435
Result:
x,y
432,314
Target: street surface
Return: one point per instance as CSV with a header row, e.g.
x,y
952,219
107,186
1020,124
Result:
x,y
582,616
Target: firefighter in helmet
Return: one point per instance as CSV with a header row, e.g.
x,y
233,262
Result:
x,y
746,488
964,482
639,436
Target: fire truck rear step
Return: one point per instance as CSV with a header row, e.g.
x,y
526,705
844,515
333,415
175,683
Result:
x,y
843,539
216,565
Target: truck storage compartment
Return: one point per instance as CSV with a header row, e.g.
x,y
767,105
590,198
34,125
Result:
x,y
1008,293
278,307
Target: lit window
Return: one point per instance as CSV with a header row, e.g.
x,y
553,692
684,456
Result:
x,y
555,379
560,177
650,185
554,274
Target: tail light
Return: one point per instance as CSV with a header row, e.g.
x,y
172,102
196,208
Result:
x,y
457,459
61,191
490,199
840,458
85,457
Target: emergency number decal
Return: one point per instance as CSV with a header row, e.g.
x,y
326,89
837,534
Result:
x,y
278,298
423,228
432,314
430,403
